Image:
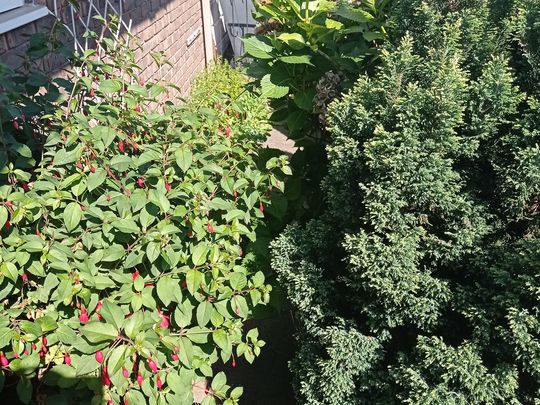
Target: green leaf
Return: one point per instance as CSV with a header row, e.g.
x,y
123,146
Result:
x,y
9,270
125,225
98,332
294,40
110,86
72,216
258,46
4,214
168,290
194,279
184,158
297,59
199,253
272,90
112,313
96,179
153,250
87,364
204,309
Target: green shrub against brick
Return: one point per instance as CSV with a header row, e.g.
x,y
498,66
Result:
x,y
419,282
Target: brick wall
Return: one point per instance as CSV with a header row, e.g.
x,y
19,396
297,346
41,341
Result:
x,y
160,25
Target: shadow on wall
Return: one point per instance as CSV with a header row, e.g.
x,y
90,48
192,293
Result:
x,y
174,27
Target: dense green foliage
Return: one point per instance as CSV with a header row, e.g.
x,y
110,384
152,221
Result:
x,y
419,282
125,261
221,81
303,55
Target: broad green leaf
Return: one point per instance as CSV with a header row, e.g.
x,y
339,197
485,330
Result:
x,y
72,216
270,89
258,46
112,313
98,332
204,309
96,179
87,364
184,158
294,40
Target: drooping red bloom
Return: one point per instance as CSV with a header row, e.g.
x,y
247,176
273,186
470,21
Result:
x,y
99,358
121,146
134,275
210,228
67,359
83,317
139,378
152,365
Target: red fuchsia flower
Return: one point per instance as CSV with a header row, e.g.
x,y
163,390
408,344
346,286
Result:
x,y
134,275
125,372
15,124
241,252
138,108
152,365
24,278
91,92
105,377
261,207
15,355
44,340
92,169
228,131
159,383
25,186
110,402
7,225
164,321
139,378
83,317
4,362
233,363
121,146
210,228
67,359
98,306
167,186
99,358
79,165
134,145
175,357
140,182
235,195
141,82
26,352
108,197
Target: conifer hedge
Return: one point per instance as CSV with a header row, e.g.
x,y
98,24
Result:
x,y
419,283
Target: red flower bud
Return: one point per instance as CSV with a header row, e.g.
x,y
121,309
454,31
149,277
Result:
x,y
24,278
138,108
164,321
159,383
16,355
235,195
134,145
83,317
184,284
140,182
175,357
7,225
134,275
91,92
228,131
210,228
189,233
141,82
233,363
261,207
15,124
44,340
3,360
108,197
121,146
125,373
99,357
139,379
25,186
241,252
92,169
79,165
98,306
110,402
67,359
152,365
167,186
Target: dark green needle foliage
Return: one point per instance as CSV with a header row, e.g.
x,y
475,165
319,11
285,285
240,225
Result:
x,y
420,283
